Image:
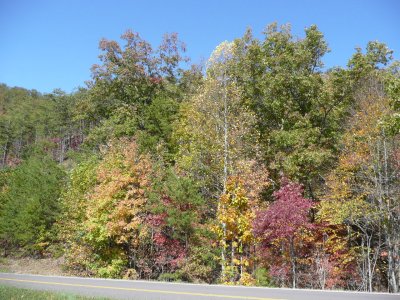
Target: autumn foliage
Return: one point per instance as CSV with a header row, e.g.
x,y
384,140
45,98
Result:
x,y
261,167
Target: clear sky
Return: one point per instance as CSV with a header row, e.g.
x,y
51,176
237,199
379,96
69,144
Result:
x,y
52,44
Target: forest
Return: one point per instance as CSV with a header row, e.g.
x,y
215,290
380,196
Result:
x,y
259,167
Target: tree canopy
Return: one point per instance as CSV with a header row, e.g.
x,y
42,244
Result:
x,y
260,167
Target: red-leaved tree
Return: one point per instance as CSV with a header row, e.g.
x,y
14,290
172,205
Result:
x,y
281,225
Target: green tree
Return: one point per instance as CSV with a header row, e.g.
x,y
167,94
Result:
x,y
30,204
298,108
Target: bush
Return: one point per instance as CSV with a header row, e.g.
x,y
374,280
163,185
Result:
x,y
113,270
170,277
262,277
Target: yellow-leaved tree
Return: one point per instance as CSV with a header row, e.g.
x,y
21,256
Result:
x,y
235,213
112,238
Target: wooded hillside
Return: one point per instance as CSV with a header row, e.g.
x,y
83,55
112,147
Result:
x,y
260,168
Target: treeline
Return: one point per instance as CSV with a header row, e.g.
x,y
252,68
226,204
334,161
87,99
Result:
x,y
263,168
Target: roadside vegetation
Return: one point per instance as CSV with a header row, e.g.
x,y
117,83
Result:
x,y
14,293
261,167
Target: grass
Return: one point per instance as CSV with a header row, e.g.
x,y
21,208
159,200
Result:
x,y
13,293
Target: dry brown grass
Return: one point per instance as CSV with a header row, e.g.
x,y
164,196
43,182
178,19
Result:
x,y
45,266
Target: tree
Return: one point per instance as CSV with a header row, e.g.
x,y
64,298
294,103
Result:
x,y
392,89
298,108
214,130
176,211
123,88
214,133
113,237
159,117
281,225
30,206
236,215
363,188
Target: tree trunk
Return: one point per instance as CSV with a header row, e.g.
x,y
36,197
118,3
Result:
x,y
233,273
369,264
241,259
225,175
293,260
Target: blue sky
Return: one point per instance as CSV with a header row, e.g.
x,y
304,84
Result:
x,y
52,44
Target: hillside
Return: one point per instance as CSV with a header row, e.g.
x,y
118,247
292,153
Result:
x,y
260,168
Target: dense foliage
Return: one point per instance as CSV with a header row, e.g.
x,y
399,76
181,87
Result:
x,y
265,168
